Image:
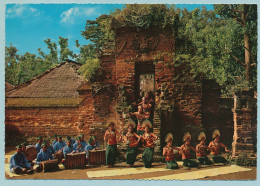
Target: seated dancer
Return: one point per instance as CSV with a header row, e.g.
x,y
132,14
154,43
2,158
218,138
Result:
x,y
77,145
133,140
44,154
82,141
69,148
201,150
39,144
168,153
91,146
55,140
140,116
185,151
214,147
111,138
59,145
19,163
148,139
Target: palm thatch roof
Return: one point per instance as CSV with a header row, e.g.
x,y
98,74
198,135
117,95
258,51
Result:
x,y
61,81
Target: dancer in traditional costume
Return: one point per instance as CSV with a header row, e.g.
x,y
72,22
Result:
x,y
168,153
19,163
132,140
148,138
185,152
214,147
111,138
202,150
140,116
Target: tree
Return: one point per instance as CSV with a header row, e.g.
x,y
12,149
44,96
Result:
x,y
246,16
56,56
87,52
11,65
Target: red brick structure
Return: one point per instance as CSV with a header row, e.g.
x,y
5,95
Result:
x,y
59,101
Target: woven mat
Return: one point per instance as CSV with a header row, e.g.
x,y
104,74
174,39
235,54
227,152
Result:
x,y
126,171
202,173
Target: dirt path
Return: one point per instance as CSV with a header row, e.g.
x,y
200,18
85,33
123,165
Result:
x,y
82,174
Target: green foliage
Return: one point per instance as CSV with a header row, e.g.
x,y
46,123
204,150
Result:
x,y
89,69
143,16
56,56
99,31
87,52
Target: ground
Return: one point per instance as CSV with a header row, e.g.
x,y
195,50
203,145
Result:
x,y
83,173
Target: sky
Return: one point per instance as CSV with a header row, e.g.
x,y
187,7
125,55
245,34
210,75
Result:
x,y
28,25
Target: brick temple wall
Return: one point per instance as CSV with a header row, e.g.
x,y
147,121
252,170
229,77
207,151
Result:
x,y
42,121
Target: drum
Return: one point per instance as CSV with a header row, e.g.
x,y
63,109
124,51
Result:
x,y
59,155
97,157
31,153
75,160
50,165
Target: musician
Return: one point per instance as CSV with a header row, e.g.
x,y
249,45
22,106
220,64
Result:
x,y
55,140
214,147
185,152
69,148
19,163
59,145
50,148
72,140
148,139
168,153
95,140
82,141
111,138
77,145
38,145
140,116
44,154
202,149
91,146
23,147
132,140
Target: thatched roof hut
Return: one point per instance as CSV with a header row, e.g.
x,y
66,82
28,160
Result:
x,y
8,86
55,87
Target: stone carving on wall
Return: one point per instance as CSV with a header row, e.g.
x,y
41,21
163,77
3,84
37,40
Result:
x,y
120,45
144,44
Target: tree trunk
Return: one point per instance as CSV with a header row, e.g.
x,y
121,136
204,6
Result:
x,y
247,58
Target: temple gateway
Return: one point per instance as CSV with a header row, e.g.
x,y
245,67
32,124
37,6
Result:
x,y
59,101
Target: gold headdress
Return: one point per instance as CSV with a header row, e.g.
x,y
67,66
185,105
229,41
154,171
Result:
x,y
186,136
201,135
110,122
146,123
169,137
130,123
215,133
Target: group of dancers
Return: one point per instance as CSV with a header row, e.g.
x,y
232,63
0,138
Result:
x,y
147,139
46,151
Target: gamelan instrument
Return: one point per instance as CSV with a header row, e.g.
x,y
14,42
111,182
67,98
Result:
x,y
31,153
75,160
97,157
49,165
